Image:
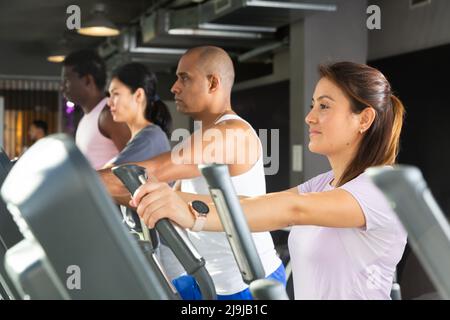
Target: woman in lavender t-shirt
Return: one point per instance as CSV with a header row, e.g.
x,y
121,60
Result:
x,y
345,240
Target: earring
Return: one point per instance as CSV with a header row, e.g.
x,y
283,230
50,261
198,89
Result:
x,y
361,131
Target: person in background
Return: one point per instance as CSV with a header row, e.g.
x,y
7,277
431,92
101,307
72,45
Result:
x,y
83,80
133,101
38,129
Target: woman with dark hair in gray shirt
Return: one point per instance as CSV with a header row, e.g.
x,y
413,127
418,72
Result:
x,y
133,100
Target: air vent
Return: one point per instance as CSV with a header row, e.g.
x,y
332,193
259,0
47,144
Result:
x,y
413,4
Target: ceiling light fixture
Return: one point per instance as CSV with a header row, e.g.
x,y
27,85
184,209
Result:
x,y
56,58
60,52
99,25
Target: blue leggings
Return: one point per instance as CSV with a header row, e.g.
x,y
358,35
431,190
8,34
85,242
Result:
x,y
189,289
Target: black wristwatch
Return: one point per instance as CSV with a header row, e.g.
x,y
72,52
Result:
x,y
199,209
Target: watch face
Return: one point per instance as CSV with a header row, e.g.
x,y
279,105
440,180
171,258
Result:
x,y
200,206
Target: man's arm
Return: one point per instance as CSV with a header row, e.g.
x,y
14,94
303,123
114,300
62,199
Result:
x,y
230,142
160,167
118,132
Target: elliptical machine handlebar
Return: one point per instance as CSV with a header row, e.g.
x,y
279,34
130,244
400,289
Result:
x,y
133,176
238,234
427,227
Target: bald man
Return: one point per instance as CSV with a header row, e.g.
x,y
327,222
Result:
x,y
205,77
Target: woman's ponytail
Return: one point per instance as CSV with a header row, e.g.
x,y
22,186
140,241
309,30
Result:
x,y
158,113
394,143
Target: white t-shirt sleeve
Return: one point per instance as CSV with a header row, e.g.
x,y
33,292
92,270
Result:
x,y
377,211
316,184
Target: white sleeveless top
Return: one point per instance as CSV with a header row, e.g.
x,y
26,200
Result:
x,y
93,144
214,246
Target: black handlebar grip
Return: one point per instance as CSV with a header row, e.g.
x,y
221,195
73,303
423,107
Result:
x,y
133,176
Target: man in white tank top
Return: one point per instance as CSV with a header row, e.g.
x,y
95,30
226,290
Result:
x,y
205,77
98,137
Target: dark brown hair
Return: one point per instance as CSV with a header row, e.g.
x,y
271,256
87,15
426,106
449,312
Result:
x,y
367,87
136,75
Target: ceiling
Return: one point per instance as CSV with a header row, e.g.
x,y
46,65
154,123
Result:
x,y
35,29
246,28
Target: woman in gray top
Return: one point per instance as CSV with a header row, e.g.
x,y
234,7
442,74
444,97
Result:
x,y
133,100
